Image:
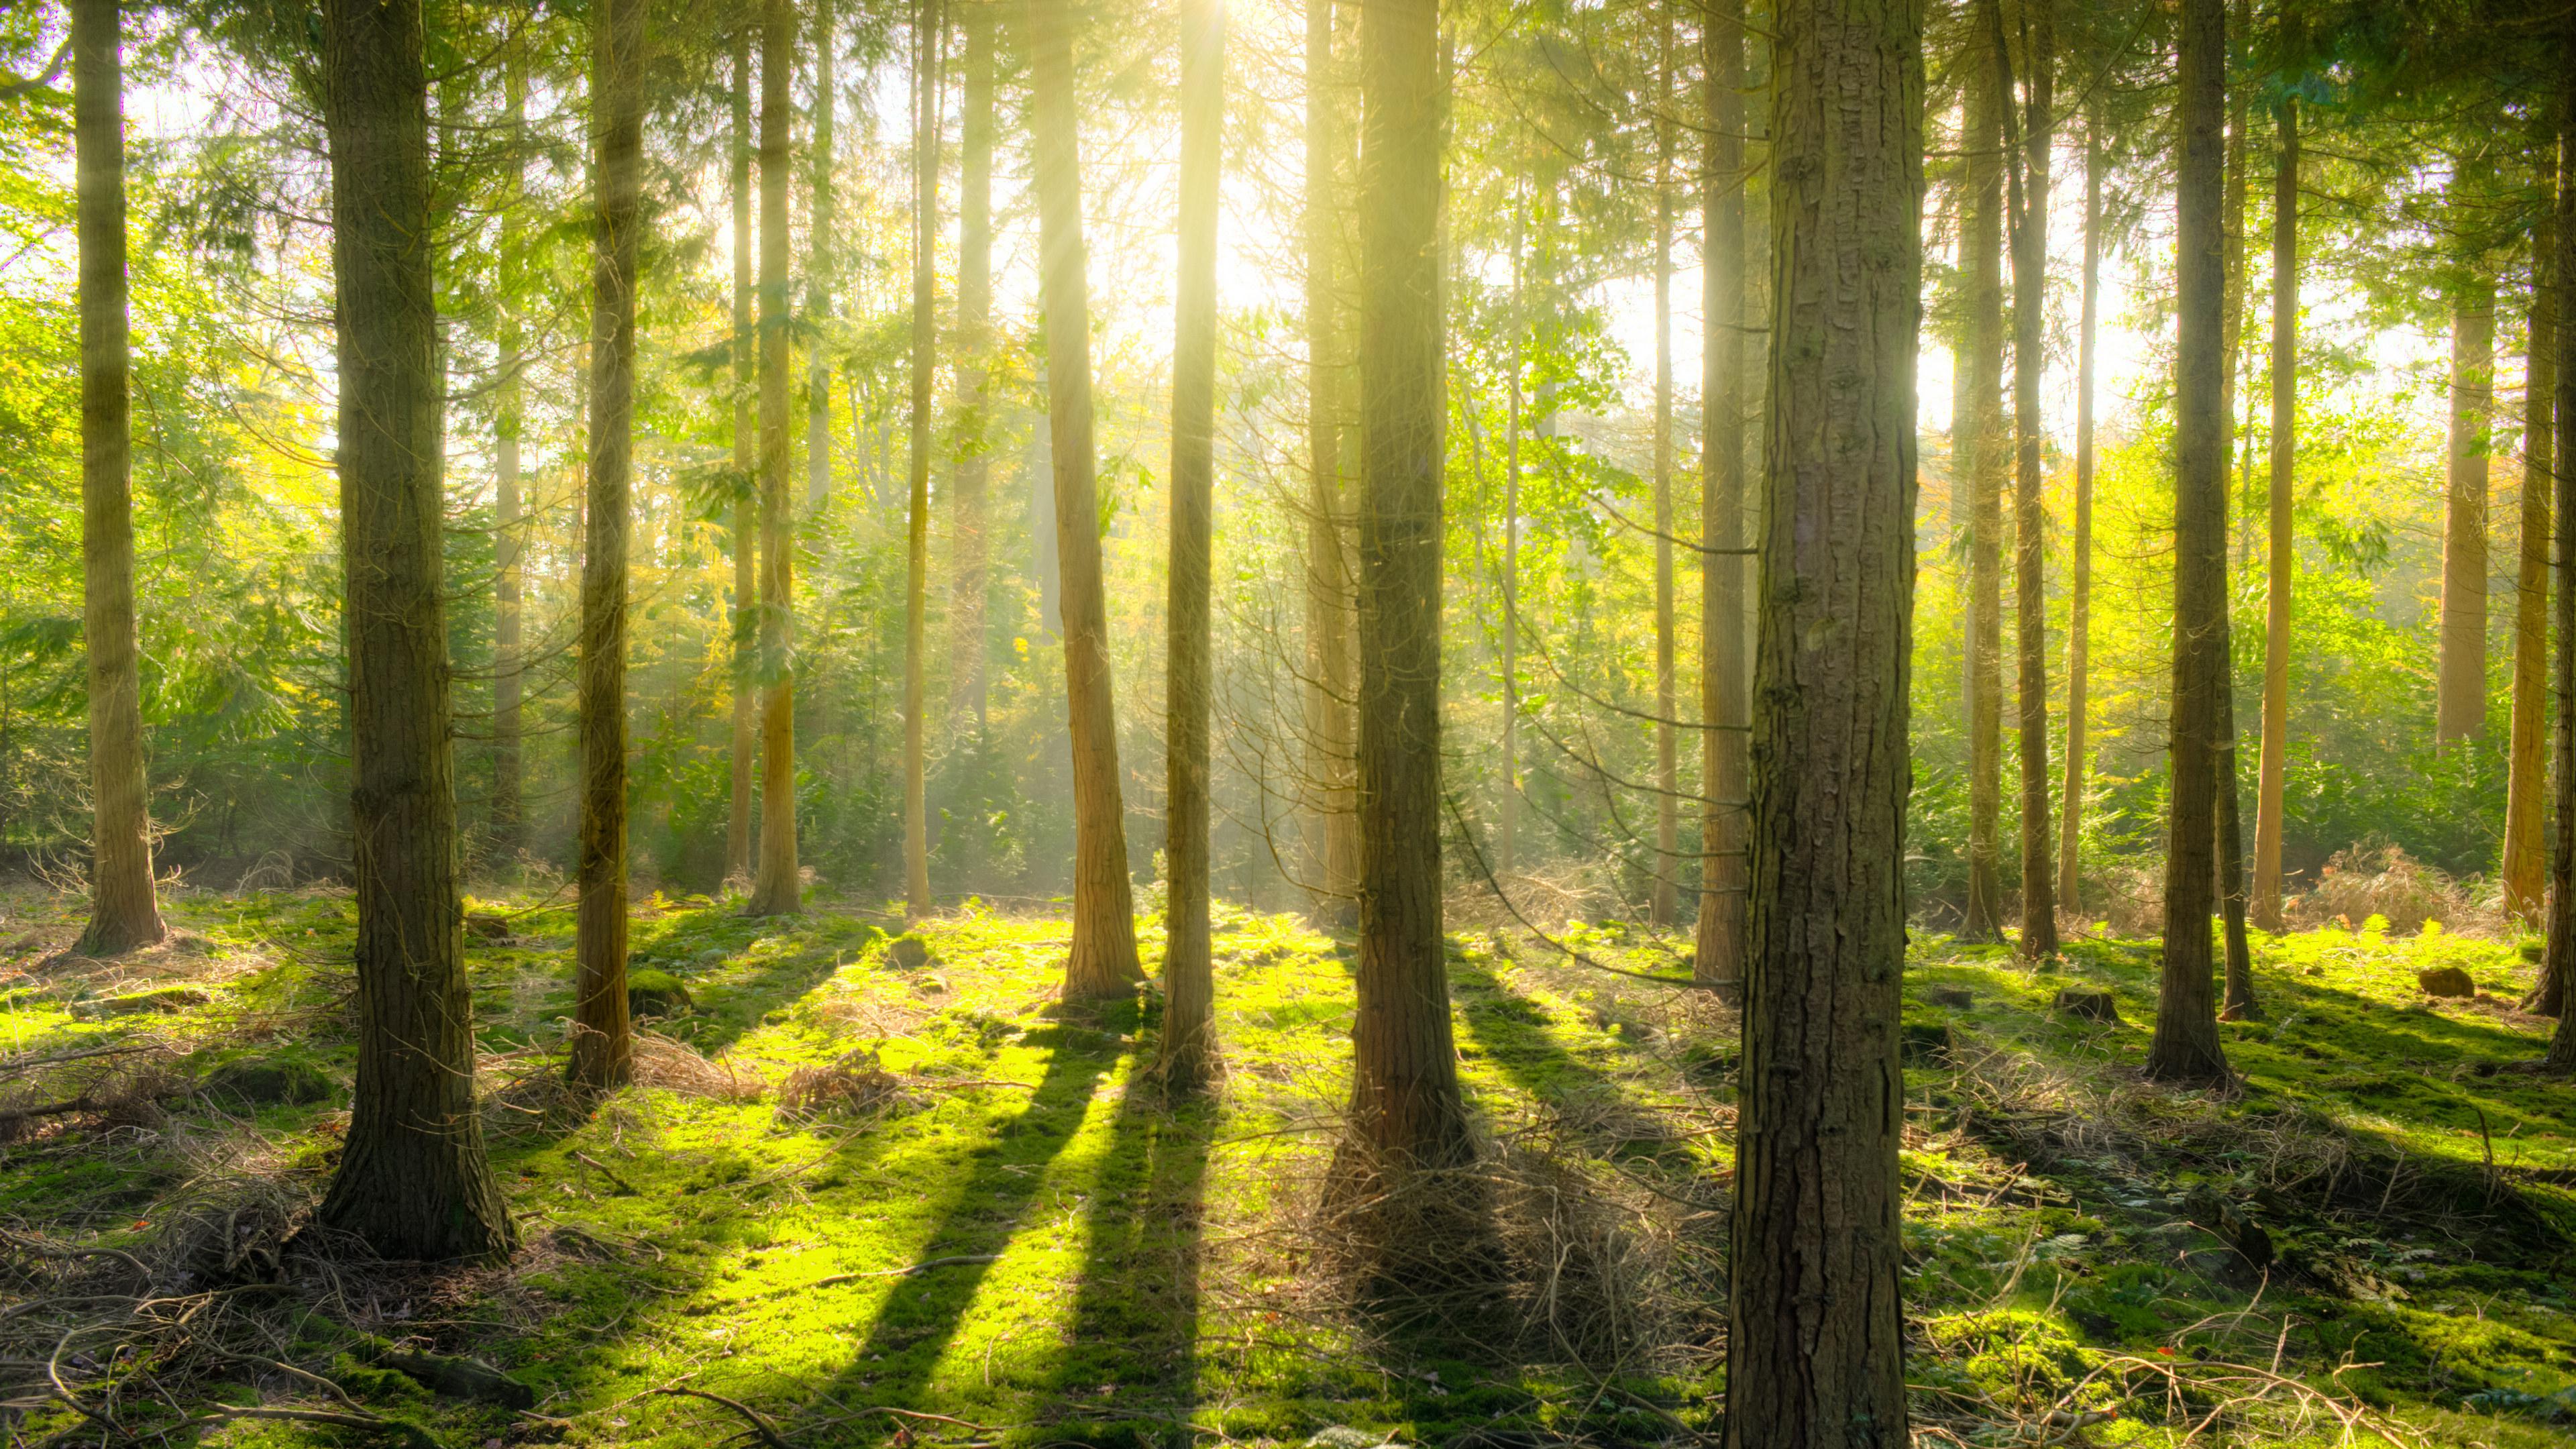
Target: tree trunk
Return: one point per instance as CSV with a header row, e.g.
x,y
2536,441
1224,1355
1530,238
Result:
x,y
413,1181
2526,783
603,1042
929,42
2079,606
1188,1053
972,349
2030,529
2240,19
1103,961
2284,558
1668,772
123,912
1718,962
2185,1048
819,274
1329,621
746,557
776,888
1815,1339
1508,854
2239,1003
506,823
2559,967
2460,699
1979,460
1405,1102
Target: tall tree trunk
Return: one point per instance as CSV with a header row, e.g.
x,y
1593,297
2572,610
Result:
x,y
1405,1102
1508,854
2526,782
1188,1053
413,1181
1718,962
1815,1341
2240,19
2030,530
746,554
603,1042
2460,699
2185,1047
1979,461
1329,621
1103,961
123,913
2079,572
820,272
1668,771
507,815
972,349
776,888
2559,964
930,36
2239,1003
2227,847
2284,558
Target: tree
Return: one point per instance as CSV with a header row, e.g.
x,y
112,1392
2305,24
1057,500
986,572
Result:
x,y
1977,463
2030,533
1405,1102
1668,775
2185,1047
929,41
2526,781
776,888
509,525
2460,690
1188,1051
819,270
1103,959
972,349
2560,965
1815,1340
413,1181
2283,556
123,912
603,1041
1328,565
1718,962
2079,570
746,552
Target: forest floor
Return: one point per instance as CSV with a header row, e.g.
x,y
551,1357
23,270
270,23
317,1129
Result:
x,y
877,1192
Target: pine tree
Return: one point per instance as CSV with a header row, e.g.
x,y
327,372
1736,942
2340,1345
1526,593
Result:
x,y
1718,961
776,886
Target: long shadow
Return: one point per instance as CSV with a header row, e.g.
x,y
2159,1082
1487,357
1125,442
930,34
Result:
x,y
1136,1313
727,1010
922,1314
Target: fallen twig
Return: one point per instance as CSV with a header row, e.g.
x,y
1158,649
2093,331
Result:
x,y
760,1424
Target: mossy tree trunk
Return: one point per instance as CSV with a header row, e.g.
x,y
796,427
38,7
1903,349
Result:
x,y
1718,962
1815,1341
414,1181
123,911
1103,961
746,550
2271,781
776,888
1977,465
2526,860
1334,826
2460,688
2030,524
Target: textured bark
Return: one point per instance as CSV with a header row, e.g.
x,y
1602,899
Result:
x,y
506,821
1719,960
972,350
2079,570
603,1041
2232,321
2238,1004
1329,618
2526,781
1815,1342
413,1181
2560,962
2185,1048
819,272
2460,689
746,552
2030,530
123,912
775,888
929,41
1103,960
1405,1102
1668,772
1978,460
1188,1051
2283,552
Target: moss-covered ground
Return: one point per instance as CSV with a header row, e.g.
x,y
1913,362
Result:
x,y
1010,1237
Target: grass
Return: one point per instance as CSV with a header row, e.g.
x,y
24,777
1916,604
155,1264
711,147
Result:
x,y
1096,1266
